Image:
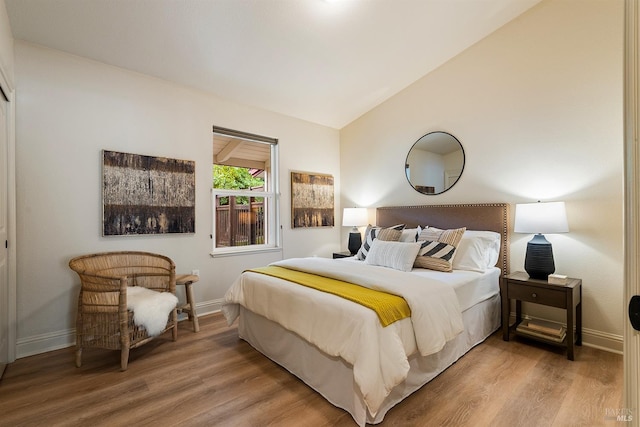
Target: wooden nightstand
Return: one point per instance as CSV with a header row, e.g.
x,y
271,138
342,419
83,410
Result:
x,y
344,254
520,287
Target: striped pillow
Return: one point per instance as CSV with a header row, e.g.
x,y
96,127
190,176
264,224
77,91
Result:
x,y
391,234
438,248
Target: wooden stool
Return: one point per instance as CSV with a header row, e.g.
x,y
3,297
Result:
x,y
190,307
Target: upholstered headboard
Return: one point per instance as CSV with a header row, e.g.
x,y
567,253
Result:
x,y
482,216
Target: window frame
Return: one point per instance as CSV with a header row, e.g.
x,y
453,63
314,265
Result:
x,y
271,196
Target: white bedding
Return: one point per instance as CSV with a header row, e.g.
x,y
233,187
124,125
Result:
x,y
471,287
338,327
333,378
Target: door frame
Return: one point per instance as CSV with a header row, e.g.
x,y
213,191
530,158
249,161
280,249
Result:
x,y
631,346
8,92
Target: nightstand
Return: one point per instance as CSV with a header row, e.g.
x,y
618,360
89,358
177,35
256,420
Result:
x,y
344,254
520,287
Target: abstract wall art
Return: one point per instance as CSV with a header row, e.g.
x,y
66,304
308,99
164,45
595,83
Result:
x,y
147,195
311,200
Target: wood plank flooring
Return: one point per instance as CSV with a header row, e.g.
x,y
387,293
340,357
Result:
x,y
212,378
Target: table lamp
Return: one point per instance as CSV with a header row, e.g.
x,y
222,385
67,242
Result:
x,y
539,218
354,217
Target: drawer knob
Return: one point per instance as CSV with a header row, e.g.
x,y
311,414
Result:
x,y
534,295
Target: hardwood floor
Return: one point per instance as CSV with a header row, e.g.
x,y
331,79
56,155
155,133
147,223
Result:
x,y
213,378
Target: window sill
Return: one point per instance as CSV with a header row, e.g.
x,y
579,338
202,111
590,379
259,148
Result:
x,y
244,251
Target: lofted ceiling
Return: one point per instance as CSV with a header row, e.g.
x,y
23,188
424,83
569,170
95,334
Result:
x,y
327,62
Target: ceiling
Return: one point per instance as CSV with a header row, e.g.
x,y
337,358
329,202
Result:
x,y
238,152
323,61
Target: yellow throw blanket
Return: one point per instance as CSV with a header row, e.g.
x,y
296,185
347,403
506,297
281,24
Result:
x,y
388,307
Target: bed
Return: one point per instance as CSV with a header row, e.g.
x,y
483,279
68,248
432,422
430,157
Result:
x,y
340,348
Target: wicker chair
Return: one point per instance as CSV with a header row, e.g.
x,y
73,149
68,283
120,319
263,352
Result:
x,y
103,319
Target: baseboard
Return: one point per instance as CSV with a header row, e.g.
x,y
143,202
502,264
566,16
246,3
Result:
x,y
602,340
590,337
209,307
56,340
43,343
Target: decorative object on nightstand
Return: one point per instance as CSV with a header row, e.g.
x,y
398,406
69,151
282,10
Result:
x,y
558,279
539,218
354,217
542,329
520,287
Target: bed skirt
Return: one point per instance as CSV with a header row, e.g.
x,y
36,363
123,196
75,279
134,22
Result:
x,y
332,377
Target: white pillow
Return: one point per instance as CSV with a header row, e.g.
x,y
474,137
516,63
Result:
x,y
396,255
372,233
477,251
410,234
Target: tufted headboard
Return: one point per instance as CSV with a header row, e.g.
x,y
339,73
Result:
x,y
481,216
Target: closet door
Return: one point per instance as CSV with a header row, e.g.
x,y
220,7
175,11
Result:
x,y
4,219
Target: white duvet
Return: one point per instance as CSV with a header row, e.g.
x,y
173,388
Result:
x,y
378,355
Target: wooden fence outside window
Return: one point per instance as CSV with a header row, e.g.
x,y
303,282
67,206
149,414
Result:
x,y
240,224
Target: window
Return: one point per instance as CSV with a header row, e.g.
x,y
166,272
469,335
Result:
x,y
245,189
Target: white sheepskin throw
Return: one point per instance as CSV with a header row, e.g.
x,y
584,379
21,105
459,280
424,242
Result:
x,y
150,308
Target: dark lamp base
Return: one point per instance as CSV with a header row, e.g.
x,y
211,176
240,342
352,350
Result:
x,y
538,262
355,241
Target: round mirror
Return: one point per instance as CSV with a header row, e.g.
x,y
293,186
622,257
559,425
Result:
x,y
434,163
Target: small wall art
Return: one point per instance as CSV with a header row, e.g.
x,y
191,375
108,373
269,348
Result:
x,y
311,200
147,195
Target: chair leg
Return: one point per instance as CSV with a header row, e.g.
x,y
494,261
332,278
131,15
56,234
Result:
x,y
124,358
174,332
78,356
79,329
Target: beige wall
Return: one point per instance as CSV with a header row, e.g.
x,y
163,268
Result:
x,y
537,106
68,110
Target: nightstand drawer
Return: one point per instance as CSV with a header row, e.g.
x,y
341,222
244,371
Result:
x,y
538,295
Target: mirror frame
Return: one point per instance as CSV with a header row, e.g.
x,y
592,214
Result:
x,y
407,168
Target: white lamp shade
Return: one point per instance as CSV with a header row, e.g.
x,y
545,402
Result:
x,y
544,218
354,217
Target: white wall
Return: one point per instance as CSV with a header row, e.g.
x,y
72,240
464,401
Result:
x,y
6,45
537,106
540,100
68,110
